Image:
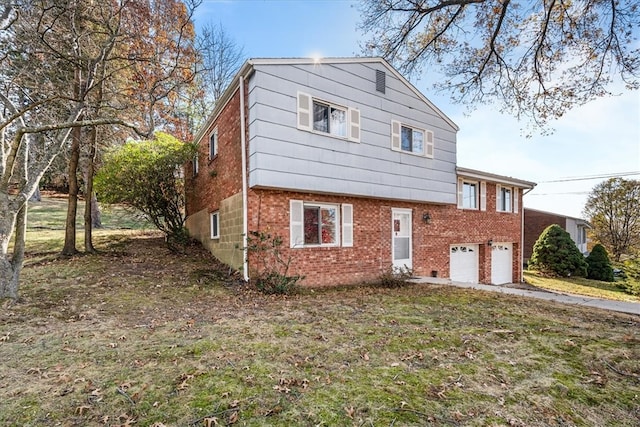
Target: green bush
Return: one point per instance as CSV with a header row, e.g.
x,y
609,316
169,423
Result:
x,y
631,282
599,265
555,254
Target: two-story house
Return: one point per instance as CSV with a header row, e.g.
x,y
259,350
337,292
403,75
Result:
x,y
356,170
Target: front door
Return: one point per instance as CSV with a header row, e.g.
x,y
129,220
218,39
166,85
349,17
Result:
x,y
401,238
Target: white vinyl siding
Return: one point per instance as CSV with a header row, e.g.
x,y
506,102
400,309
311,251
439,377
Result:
x,y
324,117
214,225
284,152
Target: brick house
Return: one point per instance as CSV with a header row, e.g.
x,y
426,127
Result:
x,y
356,170
535,221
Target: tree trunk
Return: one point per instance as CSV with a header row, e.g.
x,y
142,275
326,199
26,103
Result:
x,y
89,198
10,268
72,205
37,197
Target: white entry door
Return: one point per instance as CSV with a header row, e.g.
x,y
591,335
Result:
x,y
401,238
501,263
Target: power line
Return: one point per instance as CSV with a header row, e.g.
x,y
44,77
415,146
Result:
x,y
588,177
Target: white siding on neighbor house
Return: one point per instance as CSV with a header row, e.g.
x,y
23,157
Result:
x,y
283,156
572,228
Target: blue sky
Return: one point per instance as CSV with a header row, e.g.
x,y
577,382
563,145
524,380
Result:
x,y
599,139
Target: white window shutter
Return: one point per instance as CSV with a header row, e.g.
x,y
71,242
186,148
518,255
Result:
x,y
498,197
516,194
483,196
395,135
296,223
428,146
347,225
304,111
354,125
460,187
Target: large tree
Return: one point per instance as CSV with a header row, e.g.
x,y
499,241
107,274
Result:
x,y
536,59
148,67
613,208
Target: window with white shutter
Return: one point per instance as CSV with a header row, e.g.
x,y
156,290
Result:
x,y
354,125
304,111
483,196
411,140
296,224
347,225
395,135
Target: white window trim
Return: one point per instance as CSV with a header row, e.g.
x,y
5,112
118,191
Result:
x,y
481,194
344,224
427,139
305,117
513,205
214,218
196,165
214,135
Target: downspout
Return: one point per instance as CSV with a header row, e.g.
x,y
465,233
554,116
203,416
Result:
x,y
245,207
524,193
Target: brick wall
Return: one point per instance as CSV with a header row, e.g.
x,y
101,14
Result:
x,y
371,252
534,224
220,177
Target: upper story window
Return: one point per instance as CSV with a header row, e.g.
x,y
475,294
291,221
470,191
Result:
x,y
411,139
213,144
195,165
472,194
329,118
506,199
321,116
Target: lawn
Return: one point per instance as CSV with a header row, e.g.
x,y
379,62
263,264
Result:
x,y
580,286
136,335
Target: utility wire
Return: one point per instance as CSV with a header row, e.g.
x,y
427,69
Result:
x,y
585,178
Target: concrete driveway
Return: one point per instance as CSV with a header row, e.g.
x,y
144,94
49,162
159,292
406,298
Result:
x,y
620,306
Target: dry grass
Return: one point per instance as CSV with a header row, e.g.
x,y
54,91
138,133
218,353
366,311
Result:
x,y
580,286
139,336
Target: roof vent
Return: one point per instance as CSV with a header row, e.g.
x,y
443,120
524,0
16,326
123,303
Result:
x,y
381,81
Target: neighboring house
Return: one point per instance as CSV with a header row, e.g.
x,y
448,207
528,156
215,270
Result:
x,y
356,170
536,221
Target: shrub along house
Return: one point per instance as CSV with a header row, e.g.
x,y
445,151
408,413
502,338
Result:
x,y
356,170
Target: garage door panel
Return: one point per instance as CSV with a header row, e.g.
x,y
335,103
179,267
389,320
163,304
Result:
x,y
501,263
463,263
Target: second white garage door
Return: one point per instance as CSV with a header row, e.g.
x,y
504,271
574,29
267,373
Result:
x,y
501,263
463,265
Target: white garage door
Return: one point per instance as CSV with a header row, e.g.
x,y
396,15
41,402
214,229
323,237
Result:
x,y
501,263
463,266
